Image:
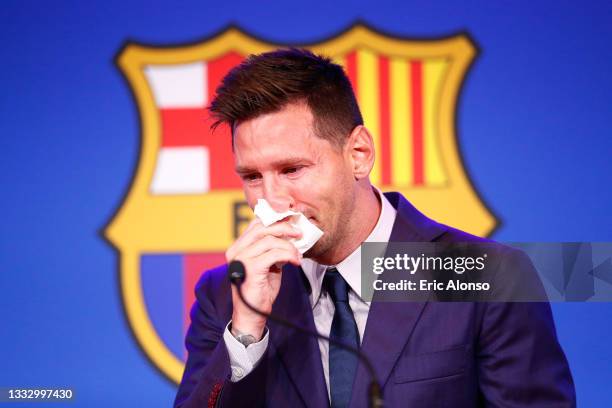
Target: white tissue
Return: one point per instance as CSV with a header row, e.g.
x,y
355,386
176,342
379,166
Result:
x,y
310,232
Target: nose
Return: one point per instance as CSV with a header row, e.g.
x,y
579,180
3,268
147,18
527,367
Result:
x,y
277,194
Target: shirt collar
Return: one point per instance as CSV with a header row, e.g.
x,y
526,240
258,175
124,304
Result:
x,y
350,267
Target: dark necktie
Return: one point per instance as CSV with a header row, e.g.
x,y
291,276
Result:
x,y
342,363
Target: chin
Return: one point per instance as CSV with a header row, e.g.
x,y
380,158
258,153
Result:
x,y
311,253
318,250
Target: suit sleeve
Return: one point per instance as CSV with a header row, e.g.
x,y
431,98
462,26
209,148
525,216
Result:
x,y
520,361
207,377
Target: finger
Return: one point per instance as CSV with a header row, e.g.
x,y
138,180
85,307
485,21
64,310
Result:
x,y
254,225
254,222
280,229
243,240
269,259
265,244
275,256
258,232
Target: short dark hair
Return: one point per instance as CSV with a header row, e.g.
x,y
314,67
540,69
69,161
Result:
x,y
268,82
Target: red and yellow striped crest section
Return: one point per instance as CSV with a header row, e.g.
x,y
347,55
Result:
x,y
185,205
399,97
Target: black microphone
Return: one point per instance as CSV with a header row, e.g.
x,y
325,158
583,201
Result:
x,y
237,274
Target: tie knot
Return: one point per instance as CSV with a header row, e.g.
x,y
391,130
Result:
x,y
335,285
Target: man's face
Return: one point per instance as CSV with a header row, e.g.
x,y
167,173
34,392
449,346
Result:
x,y
279,158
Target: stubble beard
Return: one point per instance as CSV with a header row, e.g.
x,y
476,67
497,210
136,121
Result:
x,y
333,237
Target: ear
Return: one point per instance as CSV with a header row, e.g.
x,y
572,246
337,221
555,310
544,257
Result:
x,y
360,151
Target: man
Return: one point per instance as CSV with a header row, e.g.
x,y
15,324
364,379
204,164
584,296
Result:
x,y
299,142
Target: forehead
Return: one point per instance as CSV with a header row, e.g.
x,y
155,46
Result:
x,y
284,134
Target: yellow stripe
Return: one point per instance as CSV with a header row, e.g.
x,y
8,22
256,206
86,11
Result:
x,y
401,122
369,95
433,73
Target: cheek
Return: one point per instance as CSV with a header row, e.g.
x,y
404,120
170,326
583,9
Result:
x,y
311,190
324,188
321,197
251,196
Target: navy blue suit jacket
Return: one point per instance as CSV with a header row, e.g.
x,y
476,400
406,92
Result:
x,y
425,354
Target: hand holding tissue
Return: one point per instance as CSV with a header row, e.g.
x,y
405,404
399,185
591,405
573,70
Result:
x,y
310,232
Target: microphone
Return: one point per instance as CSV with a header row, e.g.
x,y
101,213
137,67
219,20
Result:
x,y
237,274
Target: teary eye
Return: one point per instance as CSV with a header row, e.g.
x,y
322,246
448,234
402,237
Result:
x,y
251,176
292,169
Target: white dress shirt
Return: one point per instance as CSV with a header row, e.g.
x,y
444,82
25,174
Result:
x,y
244,359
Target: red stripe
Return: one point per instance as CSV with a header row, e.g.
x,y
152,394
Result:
x,y
385,120
183,127
194,266
351,70
218,68
222,174
191,127
416,80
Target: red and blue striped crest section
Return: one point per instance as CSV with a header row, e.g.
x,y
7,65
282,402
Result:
x,y
168,282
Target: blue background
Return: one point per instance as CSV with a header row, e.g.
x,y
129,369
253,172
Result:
x,y
533,125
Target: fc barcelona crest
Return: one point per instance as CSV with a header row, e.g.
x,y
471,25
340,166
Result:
x,y
185,205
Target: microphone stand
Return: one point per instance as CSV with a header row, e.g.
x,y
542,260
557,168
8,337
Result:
x,y
237,275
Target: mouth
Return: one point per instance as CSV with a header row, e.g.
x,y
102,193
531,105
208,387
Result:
x,y
314,221
311,218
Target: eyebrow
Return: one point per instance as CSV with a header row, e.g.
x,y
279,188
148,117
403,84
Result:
x,y
287,162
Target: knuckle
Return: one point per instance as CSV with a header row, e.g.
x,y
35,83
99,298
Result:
x,y
284,254
269,240
229,255
279,228
259,234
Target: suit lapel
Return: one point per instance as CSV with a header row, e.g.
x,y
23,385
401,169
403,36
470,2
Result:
x,y
299,352
390,324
